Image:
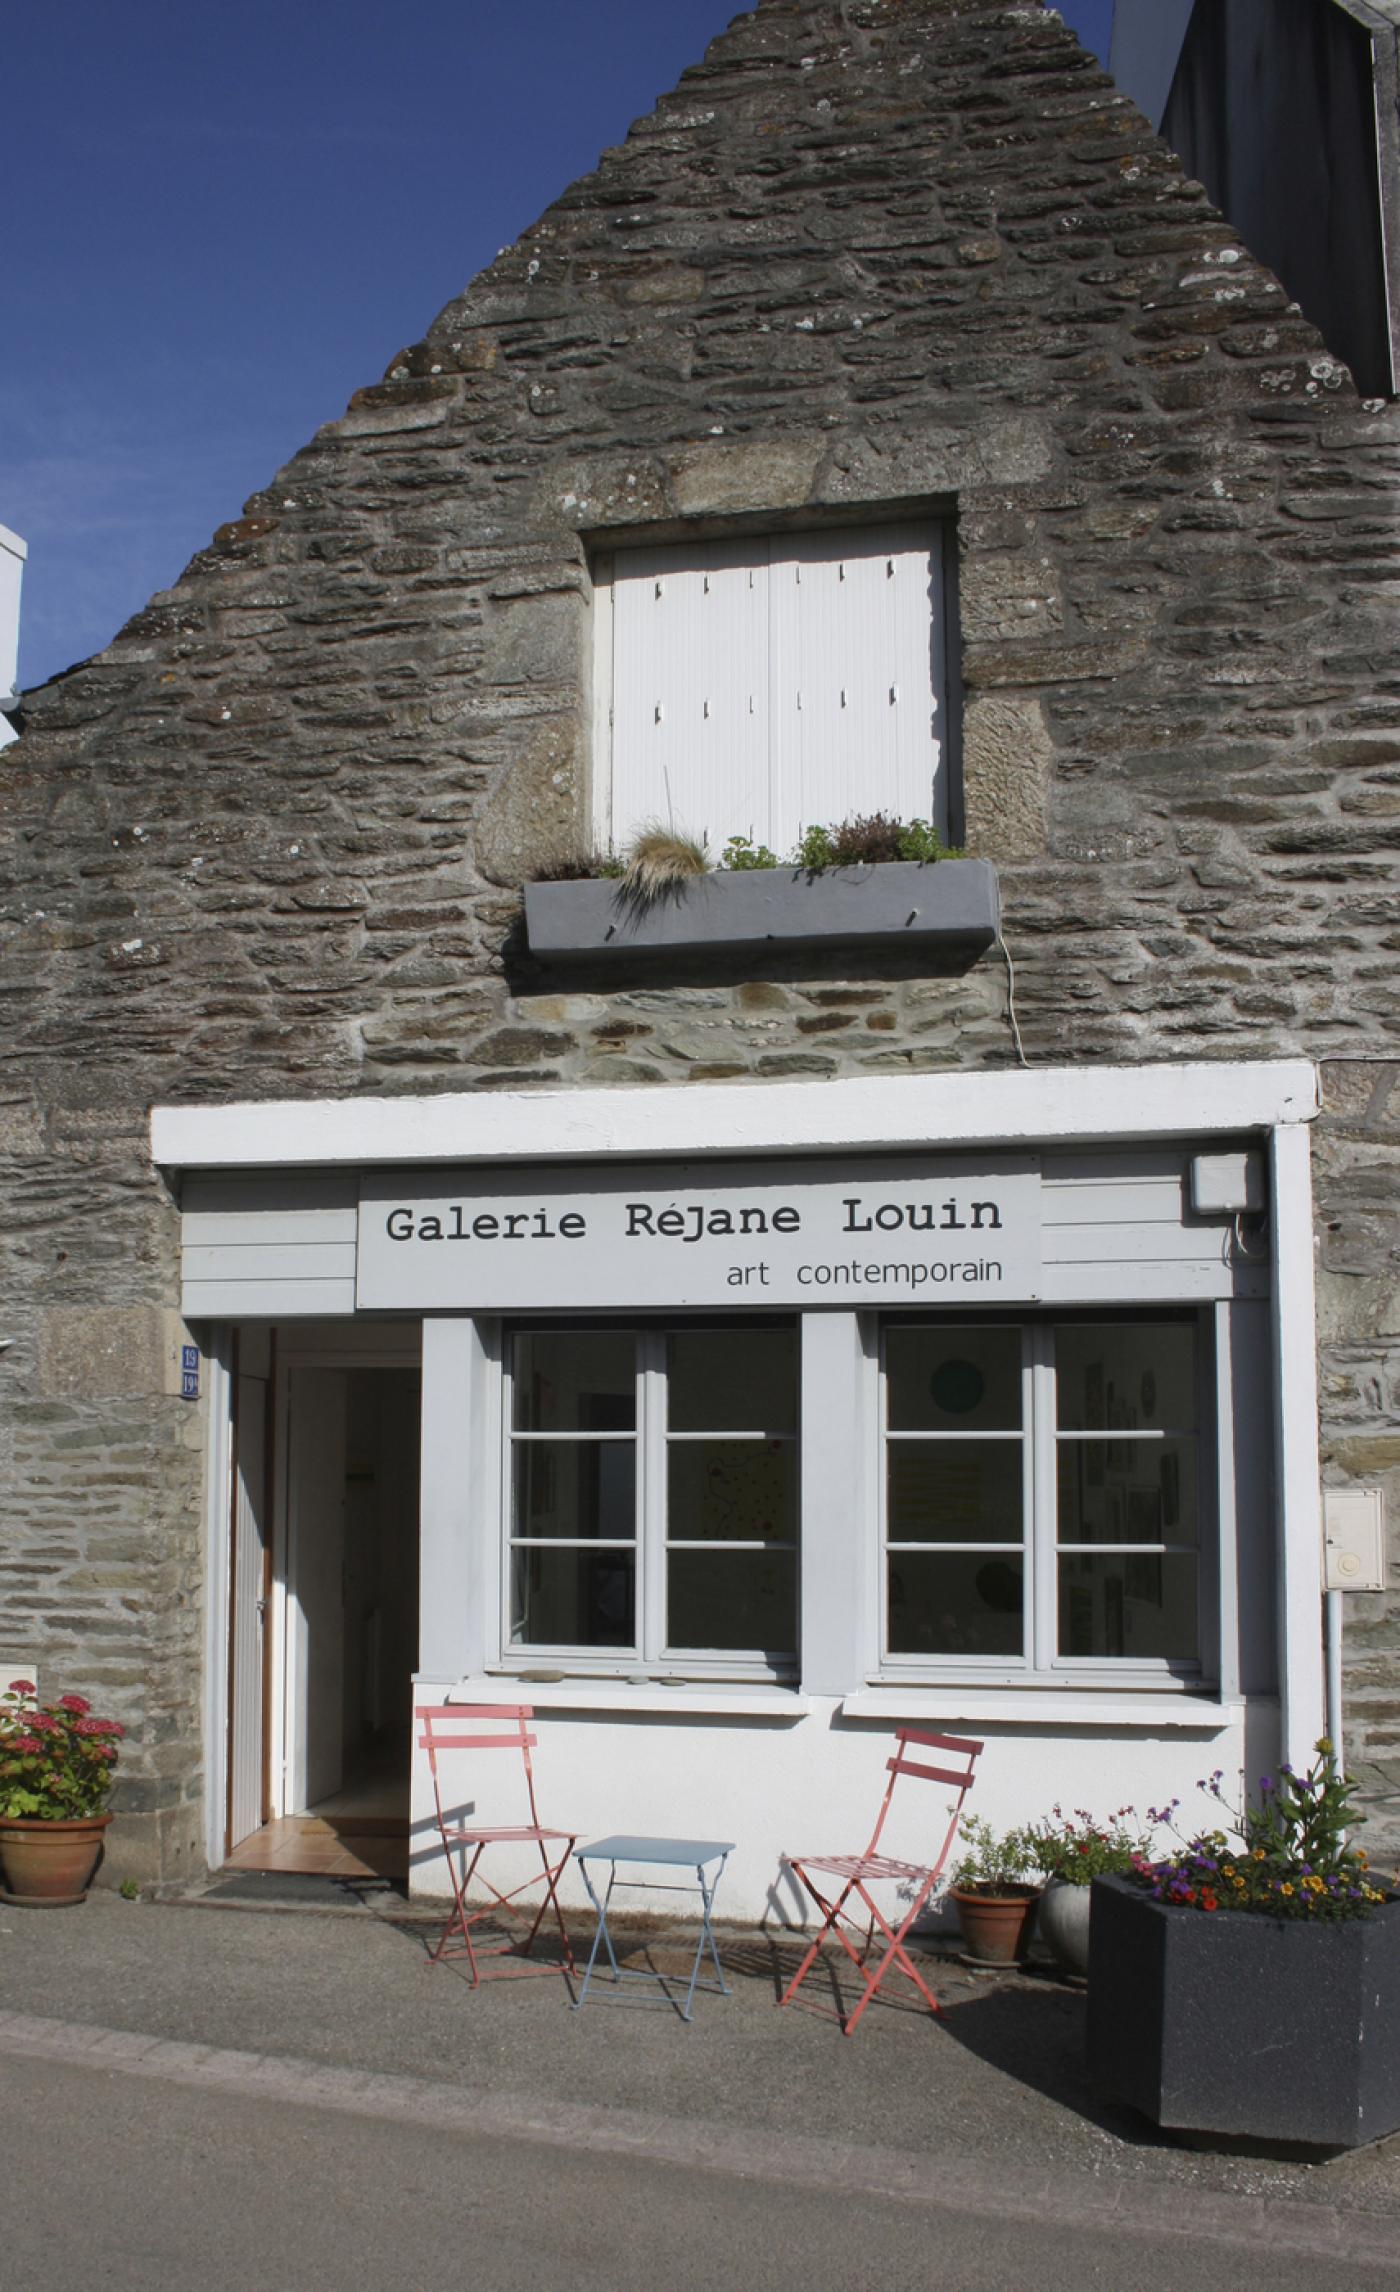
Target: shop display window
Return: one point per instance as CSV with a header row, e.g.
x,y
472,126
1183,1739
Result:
x,y
653,1495
1042,1509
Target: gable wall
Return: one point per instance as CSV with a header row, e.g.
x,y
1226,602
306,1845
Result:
x,y
893,251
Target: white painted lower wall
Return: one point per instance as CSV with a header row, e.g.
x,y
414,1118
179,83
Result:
x,y
811,1782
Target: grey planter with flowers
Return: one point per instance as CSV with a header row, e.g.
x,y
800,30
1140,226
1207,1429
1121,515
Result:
x,y
1247,1984
1242,2025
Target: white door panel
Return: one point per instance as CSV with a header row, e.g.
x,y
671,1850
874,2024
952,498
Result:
x,y
316,1420
248,1611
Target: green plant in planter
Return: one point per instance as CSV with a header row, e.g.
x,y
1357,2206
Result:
x,y
994,1892
870,839
1077,1847
56,1760
992,1862
741,854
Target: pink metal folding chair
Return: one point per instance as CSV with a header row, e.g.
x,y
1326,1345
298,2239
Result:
x,y
451,1727
857,1872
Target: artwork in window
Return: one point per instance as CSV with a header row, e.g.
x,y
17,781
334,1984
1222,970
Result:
x,y
965,1379
956,1603
1112,1608
963,1492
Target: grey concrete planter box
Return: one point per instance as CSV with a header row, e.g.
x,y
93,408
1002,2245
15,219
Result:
x,y
1224,2022
949,904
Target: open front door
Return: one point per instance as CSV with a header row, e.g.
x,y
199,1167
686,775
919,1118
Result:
x,y
316,1420
249,1592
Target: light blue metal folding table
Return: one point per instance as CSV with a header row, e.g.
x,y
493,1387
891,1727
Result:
x,y
695,1854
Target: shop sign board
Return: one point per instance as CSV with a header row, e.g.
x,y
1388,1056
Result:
x,y
928,1230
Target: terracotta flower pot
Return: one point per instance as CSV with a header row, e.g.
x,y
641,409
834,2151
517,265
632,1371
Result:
x,y
47,1865
997,1928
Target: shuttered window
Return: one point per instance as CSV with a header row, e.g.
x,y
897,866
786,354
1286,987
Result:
x,y
754,687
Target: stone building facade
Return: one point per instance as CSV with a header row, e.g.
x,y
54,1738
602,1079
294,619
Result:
x,y
871,257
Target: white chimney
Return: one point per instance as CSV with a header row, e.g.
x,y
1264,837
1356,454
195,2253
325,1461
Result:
x,y
12,555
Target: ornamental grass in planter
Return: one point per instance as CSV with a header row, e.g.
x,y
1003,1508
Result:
x,y
994,1893
1247,1984
56,1771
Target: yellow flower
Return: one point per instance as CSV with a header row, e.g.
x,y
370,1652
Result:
x,y
1285,1888
1259,1854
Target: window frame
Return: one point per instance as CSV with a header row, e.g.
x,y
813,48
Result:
x,y
650,1656
935,519
1040,1664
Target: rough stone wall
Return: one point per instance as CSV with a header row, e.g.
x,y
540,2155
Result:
x,y
869,252
1358,1220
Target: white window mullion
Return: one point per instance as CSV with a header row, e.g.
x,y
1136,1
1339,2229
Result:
x,y
1042,1507
1217,1591
651,1494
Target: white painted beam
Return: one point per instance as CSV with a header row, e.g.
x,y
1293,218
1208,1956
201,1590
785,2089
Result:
x,y
1039,1105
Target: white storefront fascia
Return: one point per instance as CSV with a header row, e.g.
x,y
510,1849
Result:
x,y
796,1764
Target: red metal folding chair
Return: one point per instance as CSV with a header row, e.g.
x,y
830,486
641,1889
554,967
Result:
x,y
450,1727
857,1872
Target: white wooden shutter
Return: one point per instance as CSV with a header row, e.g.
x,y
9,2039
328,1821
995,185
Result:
x,y
690,690
757,687
855,719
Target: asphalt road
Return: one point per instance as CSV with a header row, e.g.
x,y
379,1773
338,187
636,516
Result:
x,y
136,2182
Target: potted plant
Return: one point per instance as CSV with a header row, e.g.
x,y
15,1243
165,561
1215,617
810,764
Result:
x,y
993,1893
1069,1851
1248,1983
56,1767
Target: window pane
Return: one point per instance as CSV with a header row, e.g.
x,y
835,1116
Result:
x,y
955,1603
1129,1604
955,1492
1125,1374
576,1488
572,1598
575,1380
732,1600
953,1380
1127,1491
732,1380
730,1490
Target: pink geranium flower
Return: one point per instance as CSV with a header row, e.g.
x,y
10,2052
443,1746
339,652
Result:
x,y
22,1687
56,1759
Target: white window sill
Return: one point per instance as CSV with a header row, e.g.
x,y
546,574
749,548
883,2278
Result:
x,y
698,1697
1120,1708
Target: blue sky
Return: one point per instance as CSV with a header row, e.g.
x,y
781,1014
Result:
x,y
223,220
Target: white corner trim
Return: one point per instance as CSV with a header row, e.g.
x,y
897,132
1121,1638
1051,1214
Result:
x,y
1297,1472
1040,1105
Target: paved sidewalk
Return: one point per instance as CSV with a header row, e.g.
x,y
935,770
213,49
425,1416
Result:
x,y
986,2110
